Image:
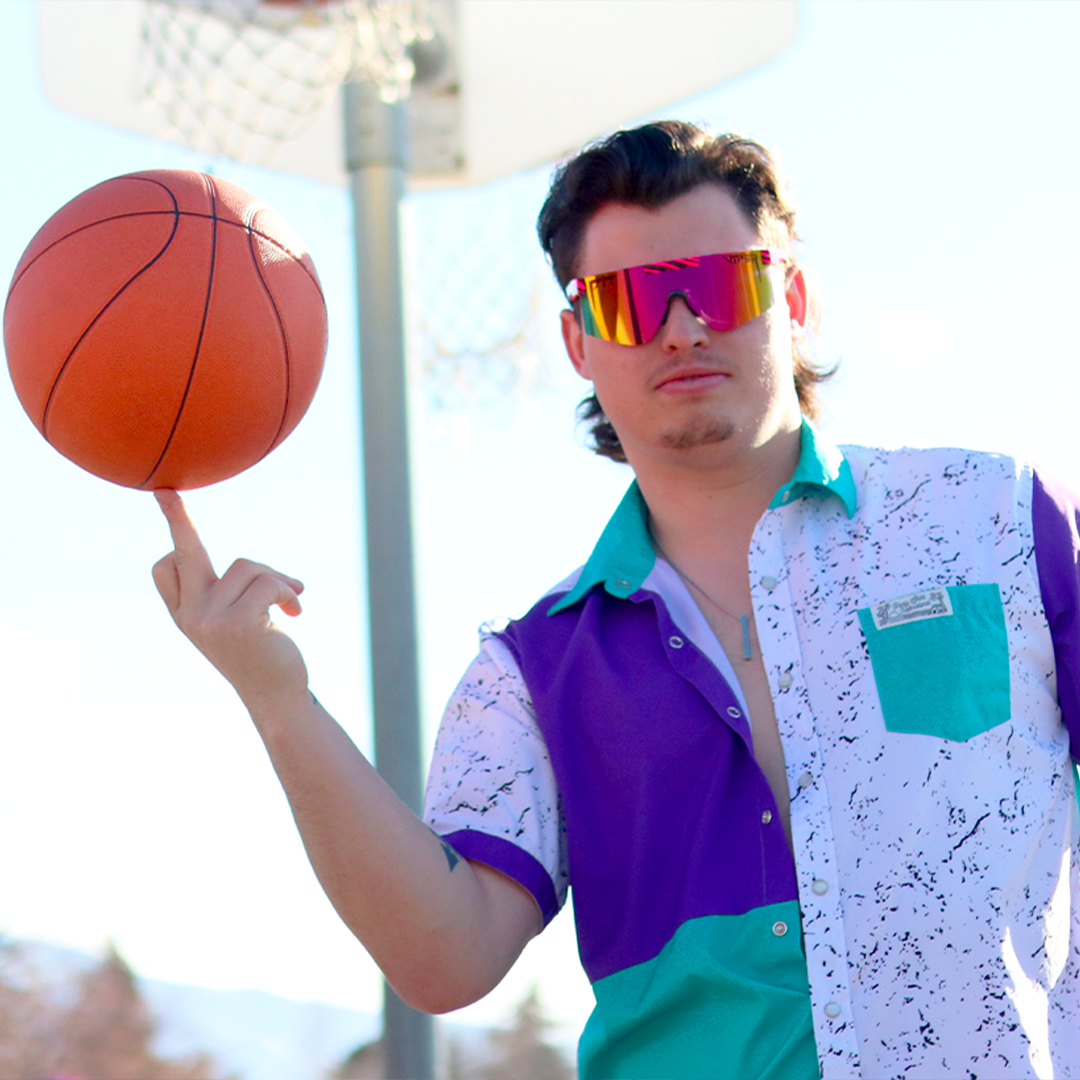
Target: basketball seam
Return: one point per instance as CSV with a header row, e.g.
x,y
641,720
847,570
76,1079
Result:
x,y
101,311
279,245
202,331
182,213
284,338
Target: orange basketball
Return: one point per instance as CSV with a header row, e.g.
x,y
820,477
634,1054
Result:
x,y
165,329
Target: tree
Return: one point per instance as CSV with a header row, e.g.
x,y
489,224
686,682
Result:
x,y
366,1062
520,1052
102,1032
517,1052
109,1030
28,1021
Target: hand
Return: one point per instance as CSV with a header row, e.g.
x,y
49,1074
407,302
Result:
x,y
228,618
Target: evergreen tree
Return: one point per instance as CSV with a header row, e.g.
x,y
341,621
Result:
x,y
521,1052
109,1030
29,1023
517,1052
102,1032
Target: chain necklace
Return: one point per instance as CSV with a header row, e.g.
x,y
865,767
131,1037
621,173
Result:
x,y
743,619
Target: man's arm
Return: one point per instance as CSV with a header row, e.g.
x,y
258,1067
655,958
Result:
x,y
444,930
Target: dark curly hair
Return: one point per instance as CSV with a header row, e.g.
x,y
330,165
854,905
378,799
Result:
x,y
650,166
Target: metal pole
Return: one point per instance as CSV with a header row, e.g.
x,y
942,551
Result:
x,y
376,147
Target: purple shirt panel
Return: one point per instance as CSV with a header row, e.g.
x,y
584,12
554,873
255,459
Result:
x,y
664,804
1056,526
509,859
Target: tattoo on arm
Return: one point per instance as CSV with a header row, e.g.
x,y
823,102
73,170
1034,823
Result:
x,y
452,856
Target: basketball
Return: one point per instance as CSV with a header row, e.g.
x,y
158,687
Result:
x,y
165,329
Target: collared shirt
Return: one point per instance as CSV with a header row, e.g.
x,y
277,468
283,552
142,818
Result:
x,y
904,622
624,555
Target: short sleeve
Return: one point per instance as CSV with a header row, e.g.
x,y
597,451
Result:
x,y
1055,515
491,791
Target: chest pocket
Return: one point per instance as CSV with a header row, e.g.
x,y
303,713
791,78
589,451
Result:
x,y
941,660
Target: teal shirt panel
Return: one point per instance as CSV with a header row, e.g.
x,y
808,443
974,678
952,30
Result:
x,y
726,999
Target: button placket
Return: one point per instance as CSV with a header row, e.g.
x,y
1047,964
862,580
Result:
x,y
811,818
822,922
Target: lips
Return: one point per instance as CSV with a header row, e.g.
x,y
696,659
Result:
x,y
692,378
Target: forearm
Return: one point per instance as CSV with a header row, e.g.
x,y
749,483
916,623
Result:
x,y
444,931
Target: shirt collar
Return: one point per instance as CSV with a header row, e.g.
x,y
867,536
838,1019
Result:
x,y
822,468
624,555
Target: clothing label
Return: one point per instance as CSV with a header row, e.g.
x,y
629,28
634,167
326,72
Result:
x,y
928,604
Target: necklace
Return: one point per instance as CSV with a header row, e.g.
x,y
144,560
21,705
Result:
x,y
743,619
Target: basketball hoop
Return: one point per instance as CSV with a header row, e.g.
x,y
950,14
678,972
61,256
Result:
x,y
476,297
239,77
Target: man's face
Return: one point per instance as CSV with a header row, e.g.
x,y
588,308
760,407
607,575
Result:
x,y
691,393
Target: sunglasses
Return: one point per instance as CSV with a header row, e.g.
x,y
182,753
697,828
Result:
x,y
629,306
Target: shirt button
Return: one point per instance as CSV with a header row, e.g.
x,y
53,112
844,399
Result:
x,y
766,817
675,642
832,1010
785,680
780,929
733,712
820,888
768,583
623,584
805,780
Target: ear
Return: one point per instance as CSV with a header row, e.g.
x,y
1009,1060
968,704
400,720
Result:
x,y
797,300
575,346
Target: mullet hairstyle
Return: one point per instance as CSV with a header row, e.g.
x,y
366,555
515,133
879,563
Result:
x,y
650,166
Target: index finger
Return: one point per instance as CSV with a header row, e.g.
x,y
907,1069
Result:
x,y
192,559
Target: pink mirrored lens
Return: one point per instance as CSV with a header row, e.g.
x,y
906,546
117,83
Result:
x,y
726,290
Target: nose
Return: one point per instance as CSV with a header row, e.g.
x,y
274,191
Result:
x,y
681,328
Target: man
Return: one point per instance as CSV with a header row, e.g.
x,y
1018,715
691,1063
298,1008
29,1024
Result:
x,y
797,732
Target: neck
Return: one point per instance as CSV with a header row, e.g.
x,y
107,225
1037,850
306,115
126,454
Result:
x,y
698,508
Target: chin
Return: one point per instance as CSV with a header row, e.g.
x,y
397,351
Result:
x,y
696,435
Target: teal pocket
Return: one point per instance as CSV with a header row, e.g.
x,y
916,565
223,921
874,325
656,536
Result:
x,y
941,674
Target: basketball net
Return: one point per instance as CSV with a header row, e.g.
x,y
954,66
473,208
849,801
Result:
x,y
239,77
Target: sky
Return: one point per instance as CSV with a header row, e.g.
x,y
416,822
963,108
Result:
x,y
934,156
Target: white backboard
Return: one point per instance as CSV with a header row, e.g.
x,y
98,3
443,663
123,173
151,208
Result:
x,y
526,81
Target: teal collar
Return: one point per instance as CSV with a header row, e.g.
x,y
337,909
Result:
x,y
624,555
822,468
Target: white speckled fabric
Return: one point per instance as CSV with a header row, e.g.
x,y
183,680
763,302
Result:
x,y
491,772
947,934
937,875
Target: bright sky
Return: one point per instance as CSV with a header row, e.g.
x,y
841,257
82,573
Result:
x,y
933,148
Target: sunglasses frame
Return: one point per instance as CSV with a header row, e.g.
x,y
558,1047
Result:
x,y
578,289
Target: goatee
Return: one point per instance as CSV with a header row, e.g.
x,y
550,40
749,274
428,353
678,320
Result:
x,y
703,433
